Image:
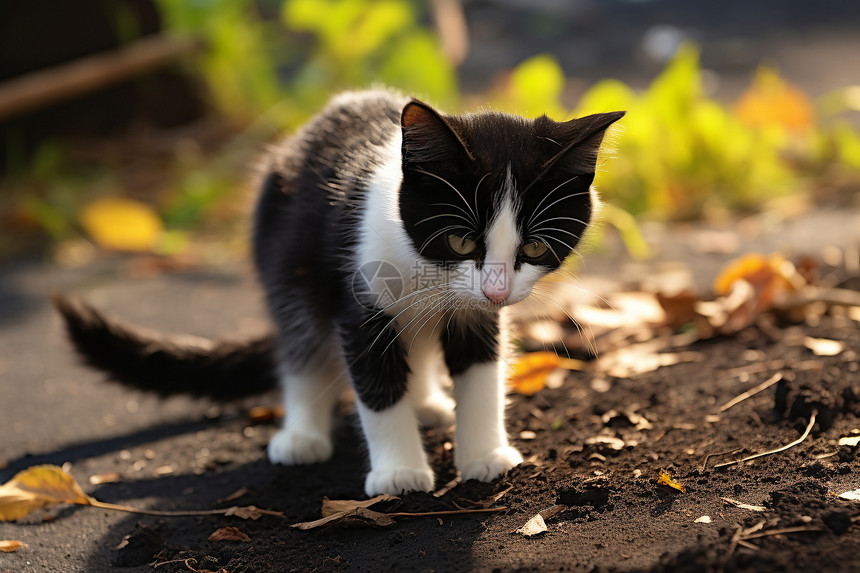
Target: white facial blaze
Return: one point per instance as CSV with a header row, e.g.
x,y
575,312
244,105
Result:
x,y
503,240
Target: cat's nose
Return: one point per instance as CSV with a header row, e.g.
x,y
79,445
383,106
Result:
x,y
497,295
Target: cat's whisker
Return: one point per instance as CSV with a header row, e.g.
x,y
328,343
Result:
x,y
575,282
457,191
547,196
419,315
440,306
589,341
439,233
547,238
543,229
537,214
453,216
478,186
529,302
457,207
396,316
401,299
574,219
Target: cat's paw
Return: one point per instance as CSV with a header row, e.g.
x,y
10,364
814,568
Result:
x,y
398,480
492,465
290,447
436,412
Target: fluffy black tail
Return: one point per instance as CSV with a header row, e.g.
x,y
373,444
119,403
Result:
x,y
167,365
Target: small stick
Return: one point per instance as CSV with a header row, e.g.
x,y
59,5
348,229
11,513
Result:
x,y
709,456
798,529
447,487
756,368
778,450
747,544
446,513
751,392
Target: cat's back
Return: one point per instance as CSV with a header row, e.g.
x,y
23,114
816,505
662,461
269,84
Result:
x,y
343,141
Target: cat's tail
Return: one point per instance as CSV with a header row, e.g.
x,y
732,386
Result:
x,y
167,365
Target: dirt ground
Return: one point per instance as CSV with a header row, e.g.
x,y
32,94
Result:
x,y
594,445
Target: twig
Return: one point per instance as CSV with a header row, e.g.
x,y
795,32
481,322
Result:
x,y
751,392
829,296
163,513
778,450
798,529
447,487
42,87
756,367
445,513
709,456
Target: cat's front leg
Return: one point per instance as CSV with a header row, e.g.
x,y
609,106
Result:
x,y
379,371
473,356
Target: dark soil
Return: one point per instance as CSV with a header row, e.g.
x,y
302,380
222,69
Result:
x,y
618,517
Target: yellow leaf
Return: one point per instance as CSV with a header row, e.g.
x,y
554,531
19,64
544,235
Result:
x,y
666,479
122,224
37,487
770,101
10,545
529,372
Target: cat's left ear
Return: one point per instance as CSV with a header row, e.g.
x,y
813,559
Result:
x,y
580,139
429,137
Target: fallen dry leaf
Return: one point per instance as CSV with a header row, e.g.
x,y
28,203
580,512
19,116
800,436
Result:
x,y
109,477
332,506
122,224
357,517
666,479
823,346
37,487
742,505
529,372
853,495
251,512
703,519
11,545
228,534
260,414
487,501
629,362
534,526
852,441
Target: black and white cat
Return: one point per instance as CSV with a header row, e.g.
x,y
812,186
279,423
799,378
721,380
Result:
x,y
389,239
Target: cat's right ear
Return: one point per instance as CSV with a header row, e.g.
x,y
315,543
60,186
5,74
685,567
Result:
x,y
428,137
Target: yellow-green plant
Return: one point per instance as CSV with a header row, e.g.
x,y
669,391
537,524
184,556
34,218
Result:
x,y
357,43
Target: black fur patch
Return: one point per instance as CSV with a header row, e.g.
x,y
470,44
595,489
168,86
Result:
x,y
476,341
219,370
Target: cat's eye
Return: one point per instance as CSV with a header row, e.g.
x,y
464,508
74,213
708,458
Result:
x,y
462,245
534,249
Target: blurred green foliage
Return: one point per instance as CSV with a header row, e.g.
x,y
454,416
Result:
x,y
678,154
270,64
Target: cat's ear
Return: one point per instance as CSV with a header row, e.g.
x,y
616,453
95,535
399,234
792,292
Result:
x,y
580,141
428,137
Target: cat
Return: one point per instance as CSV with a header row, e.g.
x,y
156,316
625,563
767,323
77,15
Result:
x,y
389,239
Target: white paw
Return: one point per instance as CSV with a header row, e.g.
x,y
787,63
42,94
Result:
x,y
398,480
436,412
291,447
492,465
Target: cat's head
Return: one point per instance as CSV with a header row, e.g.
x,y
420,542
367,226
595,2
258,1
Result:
x,y
496,201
